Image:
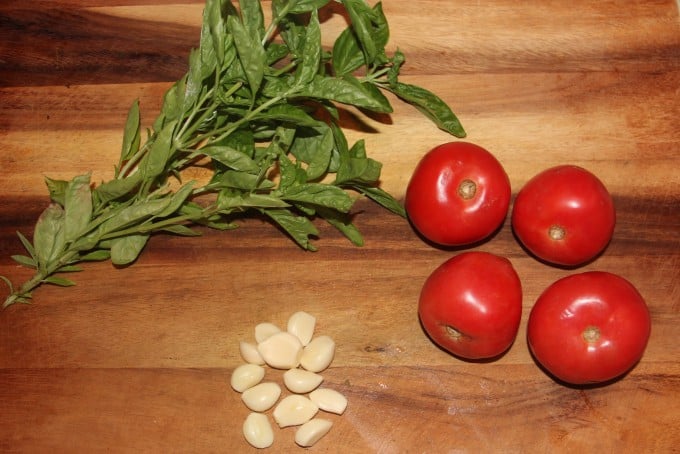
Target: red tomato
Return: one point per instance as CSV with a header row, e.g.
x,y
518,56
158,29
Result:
x,y
564,215
589,327
471,305
458,194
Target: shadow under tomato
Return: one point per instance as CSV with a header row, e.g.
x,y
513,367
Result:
x,y
457,248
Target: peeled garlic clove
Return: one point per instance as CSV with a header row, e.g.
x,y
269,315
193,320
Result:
x,y
294,410
281,350
301,381
318,354
329,400
246,376
264,330
301,324
312,431
250,354
261,397
258,431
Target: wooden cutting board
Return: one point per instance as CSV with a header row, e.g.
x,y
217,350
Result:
x,y
139,359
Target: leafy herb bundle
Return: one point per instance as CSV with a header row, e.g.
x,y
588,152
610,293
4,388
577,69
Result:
x,y
260,102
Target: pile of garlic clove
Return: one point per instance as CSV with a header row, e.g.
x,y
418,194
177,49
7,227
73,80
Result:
x,y
303,357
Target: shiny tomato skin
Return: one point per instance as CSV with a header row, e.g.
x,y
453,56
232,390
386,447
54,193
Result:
x,y
564,216
589,328
471,305
458,194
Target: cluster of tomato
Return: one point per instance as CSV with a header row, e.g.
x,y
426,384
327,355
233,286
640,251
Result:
x,y
589,327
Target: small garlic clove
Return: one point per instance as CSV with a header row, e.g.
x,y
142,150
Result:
x,y
264,330
301,324
312,431
318,354
301,381
246,376
329,400
258,431
250,354
261,397
281,350
294,410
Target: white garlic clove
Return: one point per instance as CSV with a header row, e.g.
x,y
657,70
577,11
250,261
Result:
x,y
329,400
246,376
294,410
261,397
318,354
301,381
258,431
312,431
301,324
281,350
250,354
264,330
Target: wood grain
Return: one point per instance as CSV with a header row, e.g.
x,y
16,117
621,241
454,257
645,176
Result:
x,y
138,359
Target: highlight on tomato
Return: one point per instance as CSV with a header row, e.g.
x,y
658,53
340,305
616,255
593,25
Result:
x,y
458,194
471,305
589,328
564,216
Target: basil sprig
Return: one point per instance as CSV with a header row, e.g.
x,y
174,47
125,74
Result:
x,y
260,104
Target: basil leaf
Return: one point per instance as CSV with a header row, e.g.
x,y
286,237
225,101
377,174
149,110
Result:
x,y
28,246
347,90
298,227
347,55
430,105
253,18
125,250
156,160
319,194
57,190
60,281
251,54
381,197
311,52
342,222
306,6
25,261
116,188
313,146
48,236
288,113
361,15
77,207
230,157
131,134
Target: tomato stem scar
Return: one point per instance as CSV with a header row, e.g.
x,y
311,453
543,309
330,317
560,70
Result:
x,y
557,232
467,189
591,334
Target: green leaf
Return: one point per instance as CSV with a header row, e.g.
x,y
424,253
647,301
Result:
x,y
251,53
25,261
306,6
430,105
131,134
60,281
181,230
381,197
48,237
125,250
347,55
288,113
311,52
212,16
77,207
239,180
347,90
57,190
69,269
177,199
227,201
194,80
230,157
342,222
361,15
27,245
298,227
253,18
129,215
319,194
116,188
159,155
313,146
96,256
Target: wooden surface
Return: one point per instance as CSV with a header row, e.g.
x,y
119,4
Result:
x,y
139,359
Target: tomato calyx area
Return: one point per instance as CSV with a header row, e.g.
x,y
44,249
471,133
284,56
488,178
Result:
x,y
467,189
453,333
557,232
591,334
